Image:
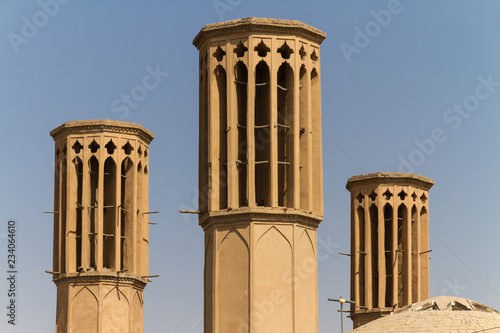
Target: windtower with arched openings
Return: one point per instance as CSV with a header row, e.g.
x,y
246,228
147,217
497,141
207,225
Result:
x,y
389,243
100,262
260,173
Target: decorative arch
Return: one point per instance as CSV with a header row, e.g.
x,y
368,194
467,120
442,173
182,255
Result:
x,y
233,255
269,231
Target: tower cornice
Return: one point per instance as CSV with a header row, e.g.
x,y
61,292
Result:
x,y
102,125
261,214
96,277
390,178
256,25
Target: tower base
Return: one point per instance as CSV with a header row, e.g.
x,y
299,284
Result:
x,y
95,302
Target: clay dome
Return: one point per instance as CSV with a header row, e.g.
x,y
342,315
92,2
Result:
x,y
438,314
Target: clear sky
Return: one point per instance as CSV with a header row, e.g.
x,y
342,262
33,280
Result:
x,y
406,85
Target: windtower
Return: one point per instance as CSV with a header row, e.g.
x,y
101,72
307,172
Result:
x,y
389,243
260,174
100,264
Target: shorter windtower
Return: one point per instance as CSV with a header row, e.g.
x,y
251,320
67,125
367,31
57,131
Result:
x,y
389,243
260,174
100,264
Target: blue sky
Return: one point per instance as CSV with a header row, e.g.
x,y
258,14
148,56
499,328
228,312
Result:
x,y
421,87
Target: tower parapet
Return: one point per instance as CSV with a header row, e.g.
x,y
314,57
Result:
x,y
389,243
260,173
101,237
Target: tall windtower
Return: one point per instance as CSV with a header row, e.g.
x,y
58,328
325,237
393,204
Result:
x,y
100,264
260,174
389,243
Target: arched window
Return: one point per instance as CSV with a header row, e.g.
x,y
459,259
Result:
x,y
285,93
389,259
79,212
221,96
316,138
374,253
414,254
400,254
109,214
241,80
424,247
262,134
62,212
127,215
303,138
93,209
361,255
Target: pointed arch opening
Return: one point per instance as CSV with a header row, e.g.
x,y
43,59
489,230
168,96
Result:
x,y
141,228
374,253
262,134
303,137
389,260
203,138
57,221
109,214
79,212
285,93
424,257
414,254
221,101
127,214
241,80
93,209
62,213
361,256
400,254
316,138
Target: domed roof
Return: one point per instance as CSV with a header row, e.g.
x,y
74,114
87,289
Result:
x,y
438,314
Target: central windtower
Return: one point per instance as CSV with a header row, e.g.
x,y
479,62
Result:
x,y
260,173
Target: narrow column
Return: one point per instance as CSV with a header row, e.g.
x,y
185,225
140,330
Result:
x,y
381,251
394,251
407,256
252,62
100,212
